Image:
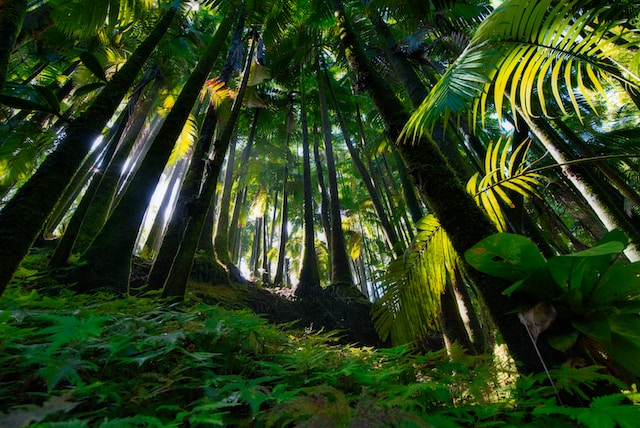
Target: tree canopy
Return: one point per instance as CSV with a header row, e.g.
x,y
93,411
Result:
x,y
463,173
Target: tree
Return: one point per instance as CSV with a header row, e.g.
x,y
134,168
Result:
x,y
106,263
309,278
35,200
12,15
340,266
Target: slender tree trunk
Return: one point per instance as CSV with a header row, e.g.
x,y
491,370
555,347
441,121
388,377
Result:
x,y
181,269
65,244
465,223
235,227
390,233
24,215
156,233
12,14
324,194
340,264
309,278
107,262
451,321
221,242
108,182
284,231
184,205
221,238
594,197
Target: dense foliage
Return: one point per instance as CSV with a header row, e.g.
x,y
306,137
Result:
x,y
72,360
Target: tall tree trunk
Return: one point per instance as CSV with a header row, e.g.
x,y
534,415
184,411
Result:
x,y
221,238
606,213
465,223
235,227
284,231
389,231
185,203
181,269
156,233
324,194
109,181
340,262
12,13
309,278
221,242
107,262
65,244
25,214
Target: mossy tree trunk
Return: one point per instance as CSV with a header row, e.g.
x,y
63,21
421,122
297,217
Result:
x,y
107,262
184,203
176,283
110,179
461,218
309,277
23,217
340,262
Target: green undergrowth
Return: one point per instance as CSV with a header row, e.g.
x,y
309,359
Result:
x,y
73,360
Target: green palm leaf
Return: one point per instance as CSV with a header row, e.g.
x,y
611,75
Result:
x,y
501,172
523,51
413,283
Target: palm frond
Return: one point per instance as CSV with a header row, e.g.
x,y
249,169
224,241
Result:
x,y
502,172
411,288
552,49
185,141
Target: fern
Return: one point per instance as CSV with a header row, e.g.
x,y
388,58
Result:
x,y
608,411
69,329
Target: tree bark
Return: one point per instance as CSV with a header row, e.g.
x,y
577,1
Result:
x,y
340,264
465,223
12,14
107,262
181,269
25,214
309,278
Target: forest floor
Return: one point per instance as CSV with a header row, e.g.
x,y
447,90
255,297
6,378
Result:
x,y
341,309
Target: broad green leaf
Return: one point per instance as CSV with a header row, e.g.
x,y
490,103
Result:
x,y
596,325
505,255
620,282
22,104
624,350
627,325
612,247
563,342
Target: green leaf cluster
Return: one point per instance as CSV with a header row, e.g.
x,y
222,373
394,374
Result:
x,y
72,360
595,295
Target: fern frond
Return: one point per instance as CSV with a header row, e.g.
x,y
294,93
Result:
x,y
185,141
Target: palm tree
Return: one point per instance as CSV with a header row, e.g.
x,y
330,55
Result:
x,y
106,263
309,278
35,200
460,217
340,266
177,281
